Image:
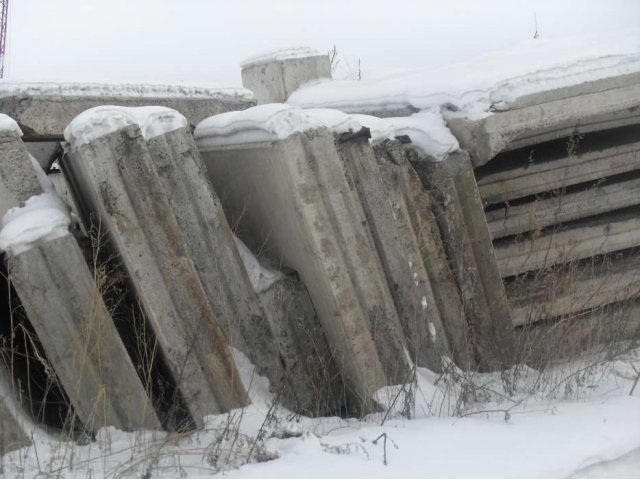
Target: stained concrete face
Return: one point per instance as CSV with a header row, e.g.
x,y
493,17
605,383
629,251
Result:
x,y
274,81
468,246
116,182
44,116
273,337
291,199
64,305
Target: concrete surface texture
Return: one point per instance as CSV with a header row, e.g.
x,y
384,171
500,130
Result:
x,y
116,183
262,325
290,199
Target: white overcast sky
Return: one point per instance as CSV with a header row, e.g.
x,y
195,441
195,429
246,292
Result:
x,y
203,41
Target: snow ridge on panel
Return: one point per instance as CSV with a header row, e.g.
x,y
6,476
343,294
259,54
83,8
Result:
x,y
100,121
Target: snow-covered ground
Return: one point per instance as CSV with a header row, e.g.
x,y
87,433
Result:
x,y
573,419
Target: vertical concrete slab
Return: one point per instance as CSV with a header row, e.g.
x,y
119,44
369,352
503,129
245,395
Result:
x,y
461,218
291,198
399,176
397,245
116,182
67,311
269,336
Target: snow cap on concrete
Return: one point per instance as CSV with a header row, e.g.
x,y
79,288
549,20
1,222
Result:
x,y
100,121
267,123
490,81
43,218
120,90
280,55
8,124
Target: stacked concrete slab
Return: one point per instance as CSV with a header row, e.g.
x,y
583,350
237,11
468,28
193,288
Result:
x,y
268,324
60,297
558,174
116,184
288,192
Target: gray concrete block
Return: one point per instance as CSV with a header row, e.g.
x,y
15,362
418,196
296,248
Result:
x,y
117,183
601,105
272,80
290,199
66,309
43,114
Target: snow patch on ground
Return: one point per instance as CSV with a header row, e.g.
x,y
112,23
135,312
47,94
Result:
x,y
260,275
121,90
280,55
9,124
100,121
494,79
575,418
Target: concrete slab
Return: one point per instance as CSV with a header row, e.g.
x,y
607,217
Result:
x,y
66,309
400,179
44,110
398,246
116,182
467,242
601,105
291,200
267,336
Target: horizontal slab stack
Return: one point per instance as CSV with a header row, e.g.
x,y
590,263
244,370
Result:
x,y
283,183
62,302
559,173
272,333
116,184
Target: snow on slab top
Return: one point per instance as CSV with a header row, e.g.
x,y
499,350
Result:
x,y
490,80
280,55
9,124
275,121
100,121
264,123
123,90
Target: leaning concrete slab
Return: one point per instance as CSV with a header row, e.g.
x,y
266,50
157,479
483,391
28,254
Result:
x,y
267,336
398,246
273,76
43,110
605,104
402,182
460,215
58,292
289,195
116,182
